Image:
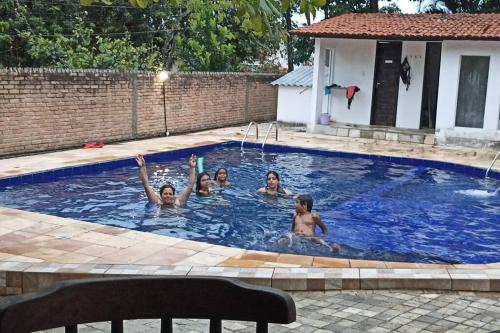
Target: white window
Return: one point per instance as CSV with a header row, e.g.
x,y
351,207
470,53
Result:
x,y
472,91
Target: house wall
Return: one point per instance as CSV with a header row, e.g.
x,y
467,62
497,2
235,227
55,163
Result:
x,y
44,109
410,101
293,104
354,64
446,132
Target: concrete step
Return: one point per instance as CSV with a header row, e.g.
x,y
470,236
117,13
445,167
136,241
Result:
x,y
377,133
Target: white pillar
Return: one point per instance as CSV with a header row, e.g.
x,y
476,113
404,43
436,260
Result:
x,y
318,86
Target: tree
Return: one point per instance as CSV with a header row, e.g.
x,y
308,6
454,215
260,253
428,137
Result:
x,y
254,13
212,35
299,51
390,9
38,34
79,50
473,6
459,6
339,7
105,35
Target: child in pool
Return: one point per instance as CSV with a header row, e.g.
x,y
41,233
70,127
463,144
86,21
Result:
x,y
220,178
304,222
203,183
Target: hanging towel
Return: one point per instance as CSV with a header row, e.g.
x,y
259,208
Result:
x,y
349,94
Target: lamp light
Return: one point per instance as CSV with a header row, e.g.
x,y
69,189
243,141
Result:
x,y
163,76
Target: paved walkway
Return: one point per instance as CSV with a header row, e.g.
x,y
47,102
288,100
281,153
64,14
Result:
x,y
360,311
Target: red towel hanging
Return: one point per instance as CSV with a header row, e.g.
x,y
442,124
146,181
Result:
x,y
349,94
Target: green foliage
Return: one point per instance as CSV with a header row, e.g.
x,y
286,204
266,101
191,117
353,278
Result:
x,y
470,6
214,35
195,34
217,39
81,50
303,48
340,7
473,6
207,45
390,8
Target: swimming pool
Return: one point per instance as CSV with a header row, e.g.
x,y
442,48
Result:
x,y
376,207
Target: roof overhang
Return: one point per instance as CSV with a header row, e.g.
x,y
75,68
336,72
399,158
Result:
x,y
410,27
390,37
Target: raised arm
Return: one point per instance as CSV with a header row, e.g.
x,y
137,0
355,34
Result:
x,y
143,174
320,224
183,197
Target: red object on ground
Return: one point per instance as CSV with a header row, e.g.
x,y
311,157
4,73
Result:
x,y
93,145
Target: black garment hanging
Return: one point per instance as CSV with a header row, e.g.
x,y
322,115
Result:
x,y
405,72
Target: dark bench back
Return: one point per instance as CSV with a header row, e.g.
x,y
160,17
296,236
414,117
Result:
x,y
115,299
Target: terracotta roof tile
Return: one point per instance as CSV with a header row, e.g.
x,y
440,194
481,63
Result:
x,y
406,27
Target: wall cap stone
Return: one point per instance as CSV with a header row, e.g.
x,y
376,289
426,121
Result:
x,y
46,70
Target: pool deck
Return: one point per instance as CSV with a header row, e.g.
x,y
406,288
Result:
x,y
37,250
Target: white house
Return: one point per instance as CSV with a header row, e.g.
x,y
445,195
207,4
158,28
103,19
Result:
x,y
294,95
454,73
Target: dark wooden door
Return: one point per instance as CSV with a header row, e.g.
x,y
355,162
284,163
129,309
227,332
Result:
x,y
431,85
386,83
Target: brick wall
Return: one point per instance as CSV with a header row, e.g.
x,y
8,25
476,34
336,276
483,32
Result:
x,y
46,109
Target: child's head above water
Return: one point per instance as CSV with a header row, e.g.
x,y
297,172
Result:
x,y
305,200
202,182
221,174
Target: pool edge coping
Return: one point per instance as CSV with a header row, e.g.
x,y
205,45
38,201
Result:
x,y
26,277
293,278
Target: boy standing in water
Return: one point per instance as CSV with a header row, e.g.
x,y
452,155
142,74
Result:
x,y
304,222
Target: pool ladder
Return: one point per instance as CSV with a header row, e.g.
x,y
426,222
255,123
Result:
x,y
248,129
269,130
491,165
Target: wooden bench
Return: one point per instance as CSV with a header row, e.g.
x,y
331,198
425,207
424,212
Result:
x,y
70,303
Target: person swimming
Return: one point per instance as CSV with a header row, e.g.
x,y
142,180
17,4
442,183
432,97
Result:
x,y
203,183
273,185
304,222
167,191
220,177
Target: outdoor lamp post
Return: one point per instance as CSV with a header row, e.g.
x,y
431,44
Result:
x,y
163,76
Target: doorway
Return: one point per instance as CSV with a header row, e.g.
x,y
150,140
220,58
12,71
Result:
x,y
386,83
431,85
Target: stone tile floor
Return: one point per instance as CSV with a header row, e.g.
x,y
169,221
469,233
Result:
x,y
360,311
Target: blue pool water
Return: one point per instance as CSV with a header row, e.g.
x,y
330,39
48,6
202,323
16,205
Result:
x,y
374,208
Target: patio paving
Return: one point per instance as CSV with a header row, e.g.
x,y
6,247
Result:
x,y
357,312
37,250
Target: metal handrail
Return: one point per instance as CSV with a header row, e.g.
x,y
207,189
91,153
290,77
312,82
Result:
x,y
269,130
248,129
491,165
